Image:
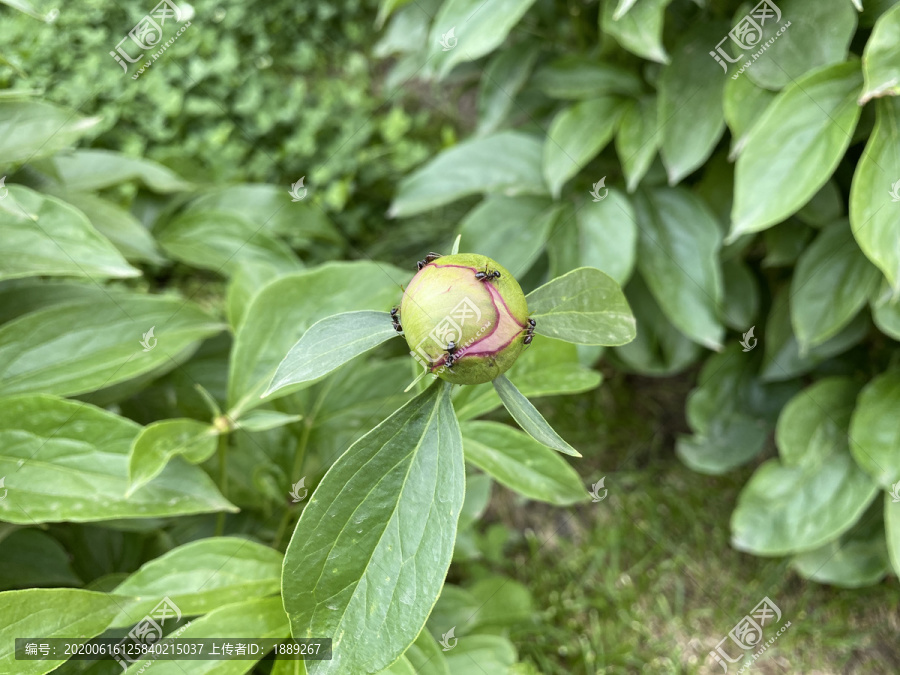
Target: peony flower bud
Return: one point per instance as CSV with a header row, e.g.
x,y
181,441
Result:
x,y
463,328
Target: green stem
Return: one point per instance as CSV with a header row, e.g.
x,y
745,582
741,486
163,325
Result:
x,y
223,480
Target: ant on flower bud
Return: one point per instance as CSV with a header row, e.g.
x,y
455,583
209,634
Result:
x,y
487,275
529,334
396,320
430,258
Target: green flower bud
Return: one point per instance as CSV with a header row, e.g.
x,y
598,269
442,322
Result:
x,y
482,321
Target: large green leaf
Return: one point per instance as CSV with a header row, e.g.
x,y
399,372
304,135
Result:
x,y
510,230
690,101
493,654
159,442
832,282
638,139
640,29
528,417
426,657
87,170
585,306
43,236
31,559
607,236
815,492
259,618
329,344
370,552
502,80
578,77
68,461
88,344
794,147
507,162
202,576
521,463
873,207
282,312
819,35
743,104
51,613
678,258
576,135
223,242
881,58
479,27
32,129
874,433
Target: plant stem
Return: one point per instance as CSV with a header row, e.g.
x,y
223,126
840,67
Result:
x,y
223,480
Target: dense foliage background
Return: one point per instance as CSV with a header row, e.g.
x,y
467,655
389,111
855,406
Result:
x,y
767,200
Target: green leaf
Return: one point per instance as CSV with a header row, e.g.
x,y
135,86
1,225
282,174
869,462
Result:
x,y
370,552
639,30
426,657
479,28
43,10
223,242
801,47
690,102
826,206
741,302
859,558
783,359
576,135
832,282
282,312
659,348
402,666
577,77
493,654
118,225
88,170
243,286
261,618
874,432
794,147
510,230
329,344
32,129
202,576
49,613
785,242
585,306
507,162
816,492
68,461
743,103
546,368
43,236
159,442
873,211
886,311
87,345
678,258
607,236
521,463
29,558
638,139
881,57
263,420
528,417
501,82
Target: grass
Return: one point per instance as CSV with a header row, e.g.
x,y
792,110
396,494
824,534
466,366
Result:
x,y
646,581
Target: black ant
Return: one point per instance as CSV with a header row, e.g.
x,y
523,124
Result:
x,y
396,320
487,275
529,334
430,258
451,355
